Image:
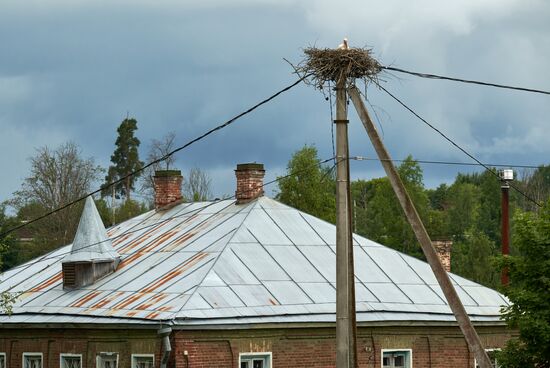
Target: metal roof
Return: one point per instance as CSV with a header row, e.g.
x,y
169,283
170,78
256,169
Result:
x,y
221,263
91,242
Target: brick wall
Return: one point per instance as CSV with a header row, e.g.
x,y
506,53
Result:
x,y
53,342
250,181
441,347
167,187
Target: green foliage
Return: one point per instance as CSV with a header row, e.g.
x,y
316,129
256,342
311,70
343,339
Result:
x,y
124,211
463,208
57,177
379,215
7,245
472,257
310,188
125,160
528,291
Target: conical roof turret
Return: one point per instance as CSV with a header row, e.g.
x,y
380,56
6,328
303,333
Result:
x,y
91,243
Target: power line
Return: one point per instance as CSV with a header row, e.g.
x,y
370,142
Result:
x,y
211,203
470,81
456,145
362,158
219,127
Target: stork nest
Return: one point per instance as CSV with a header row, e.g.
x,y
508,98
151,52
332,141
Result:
x,y
321,66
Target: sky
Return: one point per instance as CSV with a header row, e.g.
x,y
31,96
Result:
x,y
73,70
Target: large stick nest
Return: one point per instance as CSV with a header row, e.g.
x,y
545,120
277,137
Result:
x,y
321,66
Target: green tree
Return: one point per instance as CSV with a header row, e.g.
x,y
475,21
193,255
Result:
x,y
7,246
472,257
309,186
379,215
125,160
58,176
463,208
529,272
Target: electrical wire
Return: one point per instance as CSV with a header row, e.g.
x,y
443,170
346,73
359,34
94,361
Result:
x,y
457,146
202,136
362,158
442,77
195,210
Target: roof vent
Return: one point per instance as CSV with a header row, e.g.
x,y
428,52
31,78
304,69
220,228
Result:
x,y
92,254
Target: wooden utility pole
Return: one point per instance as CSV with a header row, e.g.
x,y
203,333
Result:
x,y
441,275
345,286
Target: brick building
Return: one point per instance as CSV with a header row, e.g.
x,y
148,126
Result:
x,y
246,282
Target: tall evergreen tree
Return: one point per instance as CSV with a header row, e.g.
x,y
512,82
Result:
x,y
125,160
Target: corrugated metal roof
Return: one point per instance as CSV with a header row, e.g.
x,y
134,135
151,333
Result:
x,y
221,263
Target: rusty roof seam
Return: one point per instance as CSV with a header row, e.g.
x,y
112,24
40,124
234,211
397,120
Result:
x,y
248,207
159,250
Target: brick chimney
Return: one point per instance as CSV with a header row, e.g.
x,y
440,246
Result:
x,y
250,181
443,249
167,187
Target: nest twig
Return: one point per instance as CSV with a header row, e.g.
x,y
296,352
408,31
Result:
x,y
322,66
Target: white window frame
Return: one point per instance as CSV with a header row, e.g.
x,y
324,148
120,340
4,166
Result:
x,y
69,355
32,354
266,354
410,351
5,362
489,350
143,356
98,357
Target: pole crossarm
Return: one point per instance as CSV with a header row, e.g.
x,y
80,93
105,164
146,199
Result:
x,y
422,236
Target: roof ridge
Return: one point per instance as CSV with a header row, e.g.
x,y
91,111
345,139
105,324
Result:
x,y
249,205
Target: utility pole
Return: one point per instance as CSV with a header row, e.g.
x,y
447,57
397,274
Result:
x,y
441,275
345,286
506,176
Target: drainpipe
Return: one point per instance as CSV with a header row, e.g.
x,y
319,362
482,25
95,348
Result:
x,y
164,333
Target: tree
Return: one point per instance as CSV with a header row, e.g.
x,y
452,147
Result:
x,y
197,186
472,256
125,160
57,177
379,215
309,186
160,148
463,208
7,244
529,312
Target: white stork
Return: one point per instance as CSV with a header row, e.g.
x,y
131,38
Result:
x,y
343,45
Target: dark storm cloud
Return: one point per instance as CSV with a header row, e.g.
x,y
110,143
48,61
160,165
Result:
x,y
72,70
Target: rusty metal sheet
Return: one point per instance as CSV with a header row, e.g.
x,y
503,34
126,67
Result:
x,y
222,263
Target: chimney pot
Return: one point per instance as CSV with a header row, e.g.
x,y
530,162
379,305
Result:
x,y
250,182
443,249
167,188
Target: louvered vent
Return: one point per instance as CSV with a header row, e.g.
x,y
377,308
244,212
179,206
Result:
x,y
69,275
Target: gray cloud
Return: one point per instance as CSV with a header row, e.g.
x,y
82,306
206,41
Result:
x,y
71,71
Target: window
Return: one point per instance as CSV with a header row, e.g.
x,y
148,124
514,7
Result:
x,y
492,358
255,360
107,360
2,360
71,361
396,358
143,360
32,360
